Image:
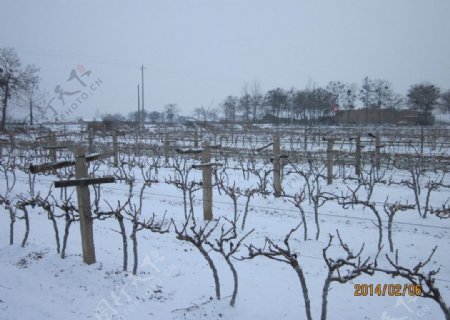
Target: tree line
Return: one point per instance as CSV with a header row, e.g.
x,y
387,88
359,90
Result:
x,y
315,102
252,105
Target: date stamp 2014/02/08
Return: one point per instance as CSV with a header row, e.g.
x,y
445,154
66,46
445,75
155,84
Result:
x,y
387,289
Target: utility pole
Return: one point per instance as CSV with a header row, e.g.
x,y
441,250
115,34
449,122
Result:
x,y
139,110
142,85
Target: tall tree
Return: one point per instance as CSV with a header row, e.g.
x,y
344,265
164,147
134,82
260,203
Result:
x,y
423,96
445,101
256,99
31,96
154,116
349,96
245,105
336,90
378,94
299,101
171,110
276,99
366,93
201,113
13,78
384,95
229,107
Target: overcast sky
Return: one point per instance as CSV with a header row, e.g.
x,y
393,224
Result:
x,y
196,52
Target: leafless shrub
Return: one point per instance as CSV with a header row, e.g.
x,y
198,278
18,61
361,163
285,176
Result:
x,y
227,244
418,277
198,236
343,269
283,253
391,210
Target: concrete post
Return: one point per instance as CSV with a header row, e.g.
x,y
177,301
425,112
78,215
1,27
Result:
x,y
207,183
276,165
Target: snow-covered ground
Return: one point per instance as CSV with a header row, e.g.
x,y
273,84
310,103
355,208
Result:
x,y
174,281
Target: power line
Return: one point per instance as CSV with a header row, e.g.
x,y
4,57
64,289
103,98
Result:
x,y
274,209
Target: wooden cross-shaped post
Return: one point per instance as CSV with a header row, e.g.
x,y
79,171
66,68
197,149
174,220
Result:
x,y
52,147
206,167
276,162
81,183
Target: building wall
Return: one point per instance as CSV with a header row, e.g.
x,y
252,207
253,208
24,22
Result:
x,y
383,116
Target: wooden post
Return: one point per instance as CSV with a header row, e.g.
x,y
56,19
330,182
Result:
x,y
358,156
196,138
91,140
166,148
84,209
52,150
330,161
377,150
12,142
422,136
115,149
435,136
276,165
306,140
196,142
207,183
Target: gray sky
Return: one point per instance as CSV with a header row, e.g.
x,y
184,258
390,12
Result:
x,y
199,51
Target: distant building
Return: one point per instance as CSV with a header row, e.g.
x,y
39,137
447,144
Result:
x,y
383,116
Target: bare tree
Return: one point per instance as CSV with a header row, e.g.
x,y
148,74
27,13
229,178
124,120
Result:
x,y
283,253
224,183
71,215
391,210
343,270
313,176
22,205
9,206
49,208
228,244
198,236
245,103
423,96
297,199
352,199
171,110
13,78
31,97
425,281
181,179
